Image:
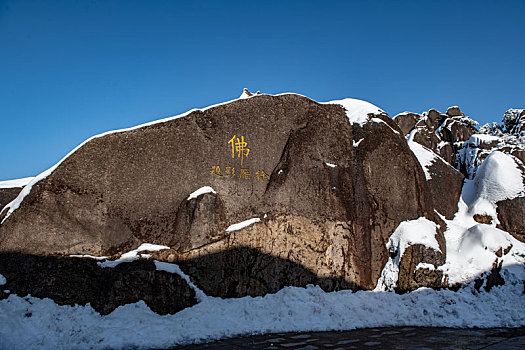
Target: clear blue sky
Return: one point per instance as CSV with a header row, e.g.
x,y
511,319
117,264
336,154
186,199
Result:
x,y
72,69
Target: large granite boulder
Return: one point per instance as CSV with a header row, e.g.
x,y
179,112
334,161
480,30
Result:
x,y
324,195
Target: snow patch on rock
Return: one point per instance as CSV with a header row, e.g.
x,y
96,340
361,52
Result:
x,y
16,183
425,157
87,256
357,111
497,178
422,265
243,224
133,254
201,191
381,121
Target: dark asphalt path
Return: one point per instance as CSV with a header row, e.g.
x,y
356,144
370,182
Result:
x,y
379,338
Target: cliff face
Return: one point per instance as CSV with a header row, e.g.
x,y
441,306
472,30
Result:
x,y
326,188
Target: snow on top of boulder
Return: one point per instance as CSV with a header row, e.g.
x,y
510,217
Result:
x,y
2,280
425,157
16,183
357,111
486,238
88,256
421,231
410,232
404,113
201,191
425,266
498,178
244,94
472,248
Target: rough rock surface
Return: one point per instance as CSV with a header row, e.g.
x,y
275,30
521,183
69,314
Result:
x,y
329,194
411,277
407,121
8,194
511,215
70,281
445,186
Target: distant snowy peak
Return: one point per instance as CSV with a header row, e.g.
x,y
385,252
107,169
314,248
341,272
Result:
x,y
357,111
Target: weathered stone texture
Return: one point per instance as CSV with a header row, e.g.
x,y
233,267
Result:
x,y
8,194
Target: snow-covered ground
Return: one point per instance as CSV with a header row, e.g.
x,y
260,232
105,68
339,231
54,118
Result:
x,y
29,323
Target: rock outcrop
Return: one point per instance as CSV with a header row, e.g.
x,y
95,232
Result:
x,y
511,215
73,280
445,186
442,133
412,276
508,138
325,195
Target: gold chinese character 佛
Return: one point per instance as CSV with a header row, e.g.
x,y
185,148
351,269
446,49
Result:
x,y
240,146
